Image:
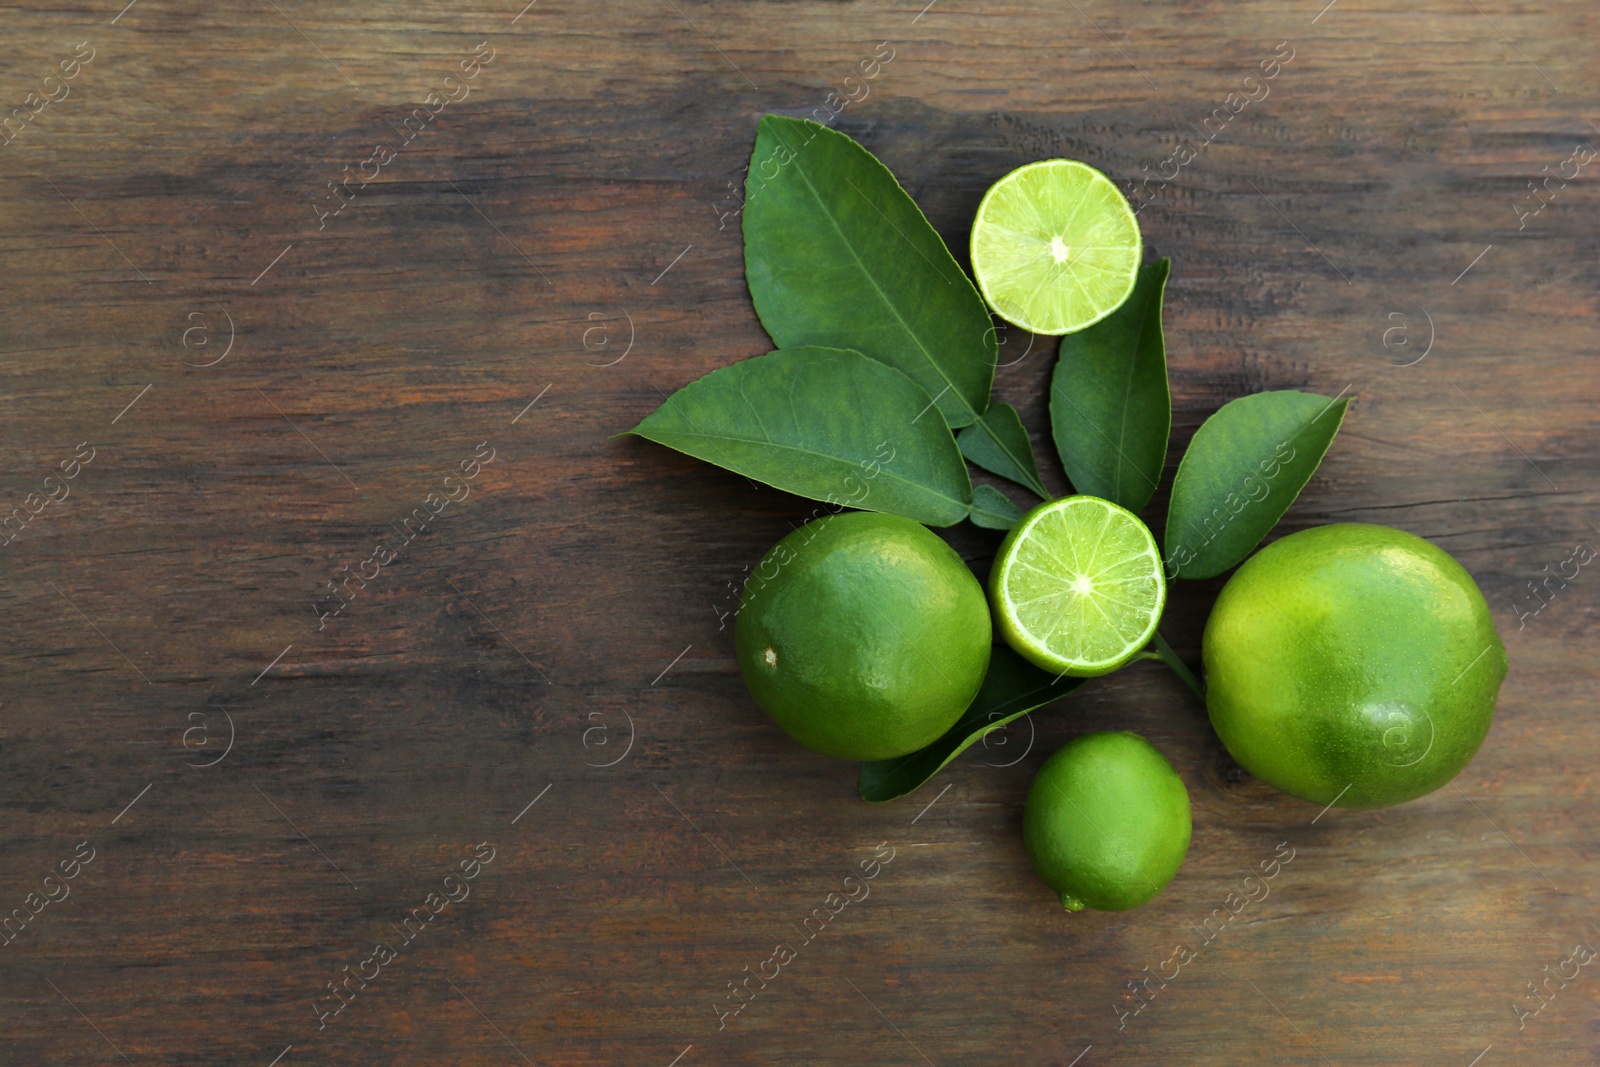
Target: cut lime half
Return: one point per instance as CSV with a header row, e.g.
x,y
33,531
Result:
x,y
1077,587
1055,247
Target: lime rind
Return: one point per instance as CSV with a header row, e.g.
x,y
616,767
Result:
x,y
1078,586
1055,247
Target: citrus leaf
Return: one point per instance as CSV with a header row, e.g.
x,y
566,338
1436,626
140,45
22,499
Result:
x,y
824,423
998,443
1110,411
992,509
1011,688
837,254
1244,467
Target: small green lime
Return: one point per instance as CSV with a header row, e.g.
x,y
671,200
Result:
x,y
1352,664
863,635
1107,822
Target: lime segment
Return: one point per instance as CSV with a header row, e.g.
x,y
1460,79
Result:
x,y
1077,587
1055,247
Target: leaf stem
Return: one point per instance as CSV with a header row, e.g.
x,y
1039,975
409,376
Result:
x,y
1164,653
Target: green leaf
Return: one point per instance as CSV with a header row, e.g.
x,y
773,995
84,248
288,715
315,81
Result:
x,y
998,443
1110,409
1012,688
837,254
992,509
824,423
1243,469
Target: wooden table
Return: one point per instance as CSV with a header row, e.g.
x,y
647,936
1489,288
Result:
x,y
534,690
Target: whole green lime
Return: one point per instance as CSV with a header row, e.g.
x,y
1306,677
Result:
x,y
1352,664
1107,822
863,635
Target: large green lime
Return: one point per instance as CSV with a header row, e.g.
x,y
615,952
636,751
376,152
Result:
x,y
865,636
1352,664
1107,822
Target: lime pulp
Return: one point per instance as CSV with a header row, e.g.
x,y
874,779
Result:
x,y
1077,587
1055,247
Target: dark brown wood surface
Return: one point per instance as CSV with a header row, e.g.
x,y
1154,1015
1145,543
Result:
x,y
553,639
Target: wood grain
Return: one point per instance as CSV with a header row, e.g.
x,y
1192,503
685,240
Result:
x,y
565,614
